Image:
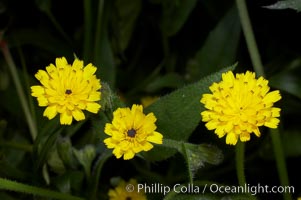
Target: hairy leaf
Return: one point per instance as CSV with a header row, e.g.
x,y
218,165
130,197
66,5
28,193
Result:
x,y
178,113
287,4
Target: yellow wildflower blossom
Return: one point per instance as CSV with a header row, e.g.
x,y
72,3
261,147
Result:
x,y
131,131
67,89
126,191
239,105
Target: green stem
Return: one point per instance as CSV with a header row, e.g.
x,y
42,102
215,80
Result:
x,y
257,64
21,187
148,79
180,146
173,144
96,173
249,36
98,32
190,173
240,159
87,30
27,85
13,70
280,160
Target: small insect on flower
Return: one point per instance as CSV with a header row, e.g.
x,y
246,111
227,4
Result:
x,y
131,131
67,89
239,105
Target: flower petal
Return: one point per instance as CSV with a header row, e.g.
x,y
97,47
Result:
x,y
142,132
50,112
65,118
128,155
37,90
231,138
77,64
61,62
117,152
238,105
89,70
93,107
156,137
78,115
67,90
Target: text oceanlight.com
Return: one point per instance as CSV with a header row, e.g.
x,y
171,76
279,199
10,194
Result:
x,y
211,188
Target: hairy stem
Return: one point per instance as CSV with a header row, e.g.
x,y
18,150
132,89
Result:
x,y
257,64
249,36
240,159
6,184
16,79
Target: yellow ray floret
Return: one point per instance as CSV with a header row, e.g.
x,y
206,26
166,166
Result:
x,y
67,90
131,131
238,105
126,190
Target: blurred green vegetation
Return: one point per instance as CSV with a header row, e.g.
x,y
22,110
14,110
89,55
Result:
x,y
141,48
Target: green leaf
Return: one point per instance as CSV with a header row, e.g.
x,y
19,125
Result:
x,y
288,81
64,148
219,49
197,155
70,181
41,39
171,80
105,60
103,57
63,183
287,4
178,113
43,145
85,157
175,14
127,14
55,162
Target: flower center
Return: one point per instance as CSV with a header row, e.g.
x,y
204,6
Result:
x,y
128,198
68,91
131,133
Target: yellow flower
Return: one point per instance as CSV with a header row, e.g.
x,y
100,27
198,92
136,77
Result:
x,y
126,191
131,131
67,89
239,105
